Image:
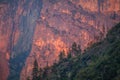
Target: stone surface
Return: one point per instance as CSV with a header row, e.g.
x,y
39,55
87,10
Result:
x,y
40,29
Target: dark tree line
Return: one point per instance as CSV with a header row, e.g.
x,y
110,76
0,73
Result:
x,y
40,74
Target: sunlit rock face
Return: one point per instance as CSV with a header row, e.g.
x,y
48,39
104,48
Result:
x,y
5,34
40,29
63,22
17,25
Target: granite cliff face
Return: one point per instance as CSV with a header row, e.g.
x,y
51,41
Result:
x,y
40,29
5,42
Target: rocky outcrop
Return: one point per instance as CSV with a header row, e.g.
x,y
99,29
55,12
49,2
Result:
x,y
40,29
63,22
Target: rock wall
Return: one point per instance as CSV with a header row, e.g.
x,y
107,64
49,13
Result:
x,y
63,22
5,34
40,29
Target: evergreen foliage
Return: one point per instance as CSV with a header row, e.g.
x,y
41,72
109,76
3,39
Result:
x,y
62,55
35,71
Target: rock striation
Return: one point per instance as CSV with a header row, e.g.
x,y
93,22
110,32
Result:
x,y
40,29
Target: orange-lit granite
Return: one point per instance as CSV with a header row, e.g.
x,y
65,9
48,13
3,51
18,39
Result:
x,y
60,23
4,42
66,21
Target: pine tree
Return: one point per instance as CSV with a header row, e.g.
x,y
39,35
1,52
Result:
x,y
40,77
74,46
62,55
76,49
69,55
35,71
79,49
28,78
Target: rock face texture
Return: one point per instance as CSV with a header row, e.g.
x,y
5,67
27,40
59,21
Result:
x,y
5,35
40,29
